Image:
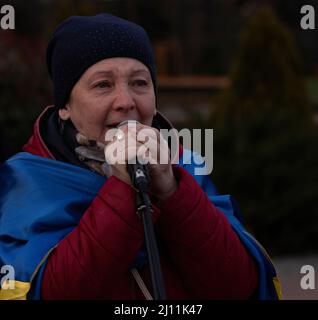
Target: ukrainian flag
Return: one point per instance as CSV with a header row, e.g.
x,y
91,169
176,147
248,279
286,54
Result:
x,y
42,201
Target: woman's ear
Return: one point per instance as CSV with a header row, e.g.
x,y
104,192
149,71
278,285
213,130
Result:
x,y
64,113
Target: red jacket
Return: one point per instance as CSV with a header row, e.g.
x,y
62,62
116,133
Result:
x,y
201,256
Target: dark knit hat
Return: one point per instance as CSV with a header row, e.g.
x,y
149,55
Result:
x,y
79,42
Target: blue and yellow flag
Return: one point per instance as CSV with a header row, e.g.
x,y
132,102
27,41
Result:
x,y
42,201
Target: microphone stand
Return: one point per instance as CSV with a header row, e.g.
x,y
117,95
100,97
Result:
x,y
139,177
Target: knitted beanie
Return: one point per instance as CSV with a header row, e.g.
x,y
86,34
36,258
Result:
x,y
81,41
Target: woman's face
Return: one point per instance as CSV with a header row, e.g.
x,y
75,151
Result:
x,y
109,92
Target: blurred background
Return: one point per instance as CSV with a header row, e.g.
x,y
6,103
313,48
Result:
x,y
244,68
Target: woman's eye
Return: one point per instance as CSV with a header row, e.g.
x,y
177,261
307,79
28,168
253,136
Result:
x,y
140,83
103,84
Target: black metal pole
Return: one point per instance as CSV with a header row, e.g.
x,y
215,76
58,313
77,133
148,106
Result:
x,y
152,248
139,177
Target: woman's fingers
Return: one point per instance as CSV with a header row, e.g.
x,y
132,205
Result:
x,y
81,139
151,151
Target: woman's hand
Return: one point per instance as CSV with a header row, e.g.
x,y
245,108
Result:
x,y
91,153
133,140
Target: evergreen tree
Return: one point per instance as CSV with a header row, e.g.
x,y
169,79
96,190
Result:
x,y
265,153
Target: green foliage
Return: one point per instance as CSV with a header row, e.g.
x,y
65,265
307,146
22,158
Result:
x,y
265,153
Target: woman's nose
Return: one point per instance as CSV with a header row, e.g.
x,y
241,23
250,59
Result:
x,y
123,100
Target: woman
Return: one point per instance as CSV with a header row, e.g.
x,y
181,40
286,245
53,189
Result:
x,y
68,220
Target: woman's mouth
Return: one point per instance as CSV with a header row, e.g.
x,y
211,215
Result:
x,y
112,126
120,123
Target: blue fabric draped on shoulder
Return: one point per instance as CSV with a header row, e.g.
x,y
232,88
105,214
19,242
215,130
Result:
x,y
42,200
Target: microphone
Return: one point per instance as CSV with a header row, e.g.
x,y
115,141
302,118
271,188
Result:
x,y
138,172
139,176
